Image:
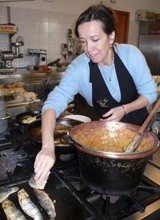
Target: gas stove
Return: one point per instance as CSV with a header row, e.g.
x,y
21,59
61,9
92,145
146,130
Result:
x,y
73,199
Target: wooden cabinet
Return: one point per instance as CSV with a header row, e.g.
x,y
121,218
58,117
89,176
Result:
x,y
122,26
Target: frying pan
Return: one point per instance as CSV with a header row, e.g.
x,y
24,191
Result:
x,y
33,131
20,117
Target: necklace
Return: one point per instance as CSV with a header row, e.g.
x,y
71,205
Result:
x,y
108,72
109,65
109,78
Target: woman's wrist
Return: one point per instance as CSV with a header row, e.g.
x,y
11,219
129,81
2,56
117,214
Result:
x,y
124,109
48,146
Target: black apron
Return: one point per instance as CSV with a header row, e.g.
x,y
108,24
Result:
x,y
103,100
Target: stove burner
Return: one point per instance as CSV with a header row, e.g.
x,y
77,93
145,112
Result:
x,y
17,154
9,158
137,202
12,150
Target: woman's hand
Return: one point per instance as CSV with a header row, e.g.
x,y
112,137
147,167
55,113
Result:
x,y
115,114
44,161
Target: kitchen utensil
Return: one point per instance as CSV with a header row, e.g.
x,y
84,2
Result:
x,y
107,172
134,144
33,132
142,136
20,118
36,116
55,62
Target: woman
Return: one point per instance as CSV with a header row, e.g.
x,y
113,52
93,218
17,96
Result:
x,y
113,78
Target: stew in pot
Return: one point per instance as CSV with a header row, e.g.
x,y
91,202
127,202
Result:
x,y
108,140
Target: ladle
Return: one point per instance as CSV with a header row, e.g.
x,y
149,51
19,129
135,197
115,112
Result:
x,y
143,129
30,119
35,117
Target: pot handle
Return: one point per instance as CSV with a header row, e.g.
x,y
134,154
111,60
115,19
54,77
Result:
x,y
7,116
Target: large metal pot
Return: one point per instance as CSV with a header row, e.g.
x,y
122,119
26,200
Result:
x,y
3,116
108,172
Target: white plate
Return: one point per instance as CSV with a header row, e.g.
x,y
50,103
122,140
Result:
x,y
81,118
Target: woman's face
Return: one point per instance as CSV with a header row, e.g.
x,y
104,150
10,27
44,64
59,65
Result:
x,y
95,42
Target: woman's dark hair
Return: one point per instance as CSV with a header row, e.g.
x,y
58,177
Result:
x,y
100,13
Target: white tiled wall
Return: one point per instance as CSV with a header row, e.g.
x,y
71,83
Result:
x,y
40,30
3,37
43,30
133,33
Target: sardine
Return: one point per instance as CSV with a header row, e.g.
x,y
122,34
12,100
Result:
x,y
6,191
28,206
11,211
37,184
46,203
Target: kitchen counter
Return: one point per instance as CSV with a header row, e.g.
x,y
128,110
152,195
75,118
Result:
x,y
39,83
43,83
30,77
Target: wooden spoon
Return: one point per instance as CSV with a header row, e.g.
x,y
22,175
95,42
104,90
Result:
x,y
131,146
